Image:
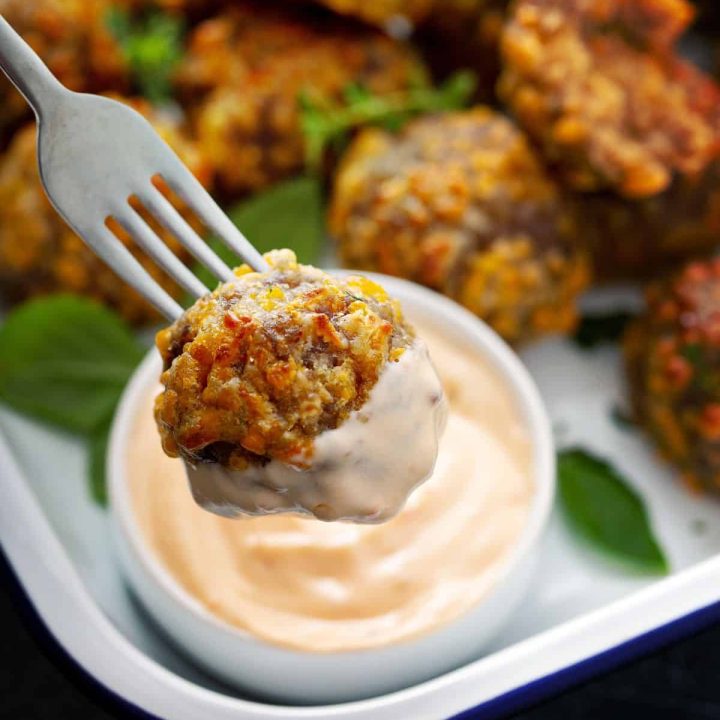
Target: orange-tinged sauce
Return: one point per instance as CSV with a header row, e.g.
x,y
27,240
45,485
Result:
x,y
324,587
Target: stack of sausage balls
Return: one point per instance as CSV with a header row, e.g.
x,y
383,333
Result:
x,y
590,152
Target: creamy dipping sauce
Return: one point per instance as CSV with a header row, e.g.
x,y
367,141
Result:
x,y
328,587
362,471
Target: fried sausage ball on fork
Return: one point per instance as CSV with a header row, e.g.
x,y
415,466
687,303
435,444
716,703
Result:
x,y
274,386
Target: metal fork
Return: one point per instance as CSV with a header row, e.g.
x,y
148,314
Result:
x,y
94,155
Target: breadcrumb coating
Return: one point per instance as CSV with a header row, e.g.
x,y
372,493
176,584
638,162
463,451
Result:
x,y
460,203
259,368
673,361
246,68
40,254
600,88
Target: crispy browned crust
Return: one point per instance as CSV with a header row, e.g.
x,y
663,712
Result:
x,y
601,90
259,368
244,72
460,202
72,38
40,254
673,356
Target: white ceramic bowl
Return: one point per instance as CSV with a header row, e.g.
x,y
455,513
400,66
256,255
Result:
x,y
303,677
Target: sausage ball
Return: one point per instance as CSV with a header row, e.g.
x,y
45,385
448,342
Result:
x,y
460,203
72,38
258,369
599,87
40,254
246,69
673,365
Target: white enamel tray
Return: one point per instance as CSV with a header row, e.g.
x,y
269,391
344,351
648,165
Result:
x,y
582,614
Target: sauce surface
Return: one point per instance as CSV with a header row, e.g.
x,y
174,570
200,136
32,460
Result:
x,y
326,587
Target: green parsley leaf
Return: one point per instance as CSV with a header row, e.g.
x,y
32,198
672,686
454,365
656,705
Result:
x,y
329,124
65,360
288,215
606,511
152,45
601,328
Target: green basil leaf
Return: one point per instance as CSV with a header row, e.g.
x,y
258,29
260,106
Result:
x,y
288,215
65,360
601,328
606,511
97,446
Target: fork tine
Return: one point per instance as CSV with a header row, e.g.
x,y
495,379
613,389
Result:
x,y
187,186
146,238
165,213
121,260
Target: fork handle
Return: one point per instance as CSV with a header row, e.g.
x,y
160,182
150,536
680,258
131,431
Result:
x,y
26,70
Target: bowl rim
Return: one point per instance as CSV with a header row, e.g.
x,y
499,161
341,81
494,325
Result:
x,y
502,358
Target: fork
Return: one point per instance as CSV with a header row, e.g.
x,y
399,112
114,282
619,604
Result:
x,y
95,154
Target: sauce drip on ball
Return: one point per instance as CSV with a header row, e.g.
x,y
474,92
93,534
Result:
x,y
295,390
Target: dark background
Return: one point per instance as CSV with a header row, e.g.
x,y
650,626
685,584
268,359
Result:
x,y
679,682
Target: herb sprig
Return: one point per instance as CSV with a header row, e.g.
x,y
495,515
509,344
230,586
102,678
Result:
x,y
328,123
152,45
